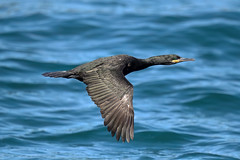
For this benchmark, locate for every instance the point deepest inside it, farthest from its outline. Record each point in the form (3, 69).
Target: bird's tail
(63, 74)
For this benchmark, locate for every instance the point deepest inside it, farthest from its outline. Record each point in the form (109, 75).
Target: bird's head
(167, 59)
(173, 59)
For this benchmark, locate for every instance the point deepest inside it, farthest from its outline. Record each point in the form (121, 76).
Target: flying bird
(111, 91)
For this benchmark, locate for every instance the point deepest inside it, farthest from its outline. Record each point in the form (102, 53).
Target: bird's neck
(139, 64)
(135, 65)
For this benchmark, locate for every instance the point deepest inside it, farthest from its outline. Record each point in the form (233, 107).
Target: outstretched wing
(113, 93)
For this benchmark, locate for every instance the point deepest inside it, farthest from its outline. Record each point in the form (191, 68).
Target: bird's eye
(176, 58)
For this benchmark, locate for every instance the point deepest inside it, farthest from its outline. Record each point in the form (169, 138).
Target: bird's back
(117, 62)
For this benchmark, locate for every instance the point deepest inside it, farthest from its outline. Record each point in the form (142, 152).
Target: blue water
(184, 111)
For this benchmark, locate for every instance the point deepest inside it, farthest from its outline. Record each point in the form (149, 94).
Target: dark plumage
(111, 91)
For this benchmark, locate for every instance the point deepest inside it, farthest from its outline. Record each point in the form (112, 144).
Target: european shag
(111, 91)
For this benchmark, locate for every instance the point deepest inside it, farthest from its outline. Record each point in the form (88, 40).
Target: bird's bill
(183, 60)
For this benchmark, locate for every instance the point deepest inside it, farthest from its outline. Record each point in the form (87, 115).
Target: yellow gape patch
(175, 61)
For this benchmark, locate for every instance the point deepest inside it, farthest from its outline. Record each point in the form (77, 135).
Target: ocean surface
(187, 111)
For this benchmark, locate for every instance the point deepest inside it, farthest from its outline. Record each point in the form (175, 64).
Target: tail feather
(63, 74)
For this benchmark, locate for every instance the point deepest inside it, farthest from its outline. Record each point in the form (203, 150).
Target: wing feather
(112, 93)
